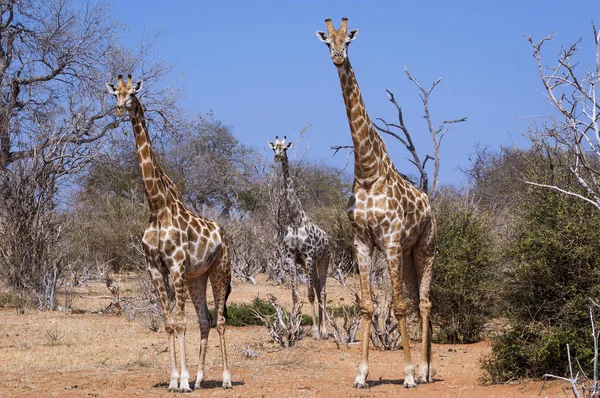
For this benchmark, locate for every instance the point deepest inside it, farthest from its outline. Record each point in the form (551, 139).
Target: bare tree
(574, 129)
(55, 56)
(437, 132)
(400, 132)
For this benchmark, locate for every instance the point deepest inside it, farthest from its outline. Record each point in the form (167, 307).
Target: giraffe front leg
(291, 266)
(364, 251)
(158, 282)
(394, 259)
(177, 271)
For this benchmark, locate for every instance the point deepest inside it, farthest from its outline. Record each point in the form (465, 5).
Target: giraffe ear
(352, 35)
(289, 145)
(271, 145)
(321, 35)
(111, 88)
(138, 86)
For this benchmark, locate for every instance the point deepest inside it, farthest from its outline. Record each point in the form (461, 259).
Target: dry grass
(107, 356)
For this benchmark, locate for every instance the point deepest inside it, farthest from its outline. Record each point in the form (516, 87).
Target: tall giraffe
(178, 244)
(304, 243)
(386, 212)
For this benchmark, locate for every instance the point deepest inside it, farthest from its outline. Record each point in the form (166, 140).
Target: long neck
(295, 212)
(159, 189)
(371, 160)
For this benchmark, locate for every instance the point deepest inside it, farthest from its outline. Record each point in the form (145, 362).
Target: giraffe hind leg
(319, 283)
(197, 289)
(312, 288)
(423, 267)
(220, 280)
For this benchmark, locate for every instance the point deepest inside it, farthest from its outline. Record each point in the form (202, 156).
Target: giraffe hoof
(185, 389)
(410, 385)
(359, 385)
(172, 389)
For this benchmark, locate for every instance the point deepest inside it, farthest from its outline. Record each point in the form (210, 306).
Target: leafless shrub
(248, 352)
(384, 333)
(150, 319)
(55, 335)
(113, 287)
(284, 327)
(346, 332)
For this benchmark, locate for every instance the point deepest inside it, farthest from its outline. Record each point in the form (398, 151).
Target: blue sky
(260, 68)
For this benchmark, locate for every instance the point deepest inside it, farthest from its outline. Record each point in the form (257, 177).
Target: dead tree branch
(437, 135)
(575, 130)
(284, 327)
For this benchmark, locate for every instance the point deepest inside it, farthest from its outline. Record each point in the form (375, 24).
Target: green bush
(344, 310)
(555, 263)
(244, 314)
(460, 289)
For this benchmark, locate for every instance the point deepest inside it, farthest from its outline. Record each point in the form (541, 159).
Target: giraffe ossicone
(179, 245)
(305, 244)
(388, 213)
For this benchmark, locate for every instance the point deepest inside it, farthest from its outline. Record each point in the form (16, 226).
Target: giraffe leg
(310, 268)
(177, 271)
(394, 258)
(411, 280)
(159, 285)
(424, 264)
(197, 289)
(220, 280)
(320, 280)
(364, 252)
(158, 281)
(291, 265)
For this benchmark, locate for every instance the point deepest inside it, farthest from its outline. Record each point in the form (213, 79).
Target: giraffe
(388, 213)
(304, 243)
(178, 244)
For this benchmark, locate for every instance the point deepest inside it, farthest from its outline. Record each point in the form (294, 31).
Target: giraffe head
(338, 40)
(280, 147)
(125, 91)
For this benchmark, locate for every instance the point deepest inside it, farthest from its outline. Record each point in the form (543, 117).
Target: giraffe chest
(373, 217)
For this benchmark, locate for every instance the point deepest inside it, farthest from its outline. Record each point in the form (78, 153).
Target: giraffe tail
(226, 297)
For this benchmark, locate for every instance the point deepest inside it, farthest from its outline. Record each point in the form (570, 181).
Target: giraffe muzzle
(338, 58)
(120, 110)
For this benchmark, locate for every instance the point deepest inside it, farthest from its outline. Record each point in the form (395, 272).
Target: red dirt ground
(109, 356)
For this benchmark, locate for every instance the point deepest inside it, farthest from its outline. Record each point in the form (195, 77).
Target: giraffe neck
(158, 187)
(371, 160)
(296, 214)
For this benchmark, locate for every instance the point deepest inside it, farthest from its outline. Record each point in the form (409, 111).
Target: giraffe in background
(304, 243)
(179, 245)
(388, 213)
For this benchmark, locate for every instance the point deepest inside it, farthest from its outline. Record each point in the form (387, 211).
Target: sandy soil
(74, 354)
